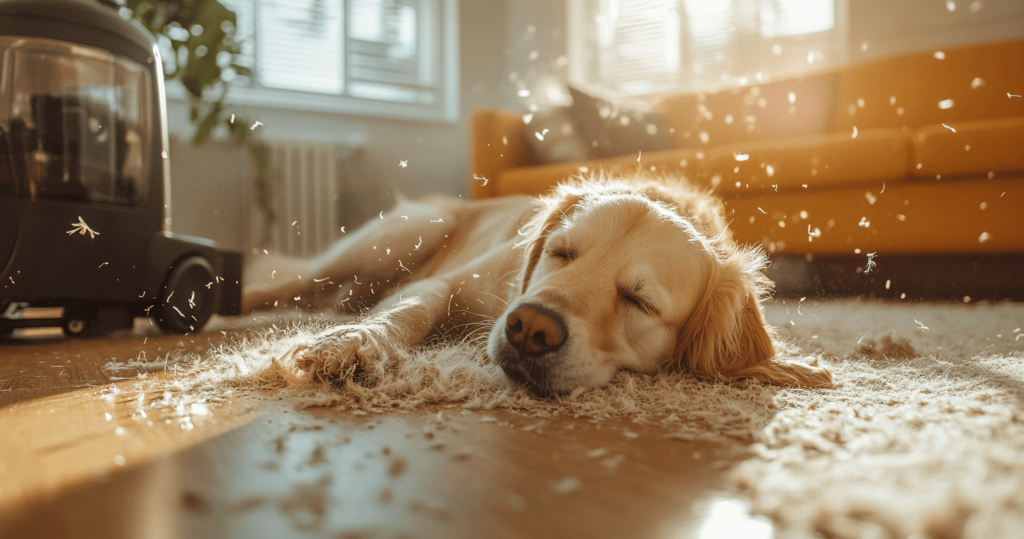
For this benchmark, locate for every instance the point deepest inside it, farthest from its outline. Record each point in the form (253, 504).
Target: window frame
(445, 110)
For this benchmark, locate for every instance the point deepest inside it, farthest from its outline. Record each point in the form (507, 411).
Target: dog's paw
(343, 352)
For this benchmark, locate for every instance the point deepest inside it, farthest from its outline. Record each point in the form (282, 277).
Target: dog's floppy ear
(551, 213)
(726, 337)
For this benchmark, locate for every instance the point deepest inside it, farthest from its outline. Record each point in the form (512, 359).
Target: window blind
(629, 31)
(374, 49)
(651, 46)
(299, 45)
(388, 56)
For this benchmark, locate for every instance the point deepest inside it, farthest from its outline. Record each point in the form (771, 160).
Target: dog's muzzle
(534, 334)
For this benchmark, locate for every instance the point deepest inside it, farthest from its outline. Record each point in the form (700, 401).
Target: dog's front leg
(371, 345)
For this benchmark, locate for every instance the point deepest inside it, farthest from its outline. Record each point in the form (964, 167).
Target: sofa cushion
(551, 135)
(908, 217)
(877, 155)
(616, 125)
(970, 83)
(975, 148)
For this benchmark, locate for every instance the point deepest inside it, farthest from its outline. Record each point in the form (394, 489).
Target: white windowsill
(335, 104)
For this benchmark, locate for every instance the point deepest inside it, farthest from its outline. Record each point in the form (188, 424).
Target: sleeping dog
(598, 276)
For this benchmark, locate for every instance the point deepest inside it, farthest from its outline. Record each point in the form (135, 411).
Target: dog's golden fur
(567, 289)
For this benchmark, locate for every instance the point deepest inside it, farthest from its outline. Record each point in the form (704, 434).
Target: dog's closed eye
(632, 296)
(564, 252)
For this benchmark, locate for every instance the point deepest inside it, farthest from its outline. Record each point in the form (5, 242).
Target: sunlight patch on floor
(728, 519)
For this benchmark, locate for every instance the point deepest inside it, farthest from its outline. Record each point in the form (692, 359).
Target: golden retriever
(600, 275)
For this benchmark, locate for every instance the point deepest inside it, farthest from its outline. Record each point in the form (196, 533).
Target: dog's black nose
(533, 330)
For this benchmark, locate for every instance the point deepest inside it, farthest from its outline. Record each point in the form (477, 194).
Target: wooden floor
(78, 460)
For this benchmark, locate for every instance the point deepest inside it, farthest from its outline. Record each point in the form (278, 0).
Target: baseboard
(914, 277)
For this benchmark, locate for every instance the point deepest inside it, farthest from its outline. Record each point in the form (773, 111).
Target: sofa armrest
(496, 144)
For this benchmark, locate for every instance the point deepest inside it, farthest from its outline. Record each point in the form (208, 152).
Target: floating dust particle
(613, 463)
(515, 501)
(317, 456)
(397, 466)
(385, 496)
(887, 348)
(533, 427)
(870, 263)
(306, 506)
(435, 511)
(248, 504)
(195, 501)
(82, 229)
(305, 428)
(568, 485)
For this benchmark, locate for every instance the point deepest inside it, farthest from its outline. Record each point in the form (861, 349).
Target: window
(652, 46)
(380, 57)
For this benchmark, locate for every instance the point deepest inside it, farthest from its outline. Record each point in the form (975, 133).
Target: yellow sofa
(916, 154)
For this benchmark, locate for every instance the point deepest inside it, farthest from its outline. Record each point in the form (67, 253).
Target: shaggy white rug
(923, 435)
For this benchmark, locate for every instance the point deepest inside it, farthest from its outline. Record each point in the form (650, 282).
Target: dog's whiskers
(497, 297)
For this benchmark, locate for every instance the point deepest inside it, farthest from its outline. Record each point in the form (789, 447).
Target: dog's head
(631, 276)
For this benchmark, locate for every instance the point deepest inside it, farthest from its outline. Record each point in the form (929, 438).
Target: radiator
(306, 199)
